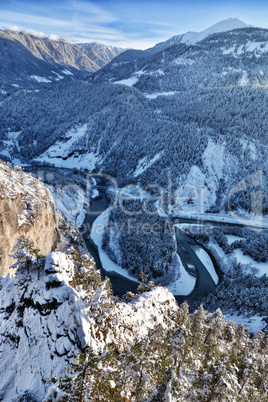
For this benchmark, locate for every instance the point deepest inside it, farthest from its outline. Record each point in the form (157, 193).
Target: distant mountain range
(26, 59)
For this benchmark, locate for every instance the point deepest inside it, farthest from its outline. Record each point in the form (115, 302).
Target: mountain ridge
(28, 59)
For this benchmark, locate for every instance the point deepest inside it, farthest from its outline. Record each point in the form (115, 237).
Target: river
(204, 282)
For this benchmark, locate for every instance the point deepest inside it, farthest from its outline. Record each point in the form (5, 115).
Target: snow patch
(206, 261)
(145, 163)
(231, 238)
(244, 80)
(183, 61)
(132, 80)
(67, 72)
(257, 268)
(128, 82)
(183, 283)
(258, 48)
(198, 192)
(156, 94)
(40, 79)
(251, 146)
(254, 322)
(68, 153)
(59, 77)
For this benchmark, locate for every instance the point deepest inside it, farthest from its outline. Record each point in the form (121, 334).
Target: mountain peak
(229, 23)
(222, 26)
(194, 37)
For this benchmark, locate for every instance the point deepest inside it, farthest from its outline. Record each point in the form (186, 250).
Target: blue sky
(134, 23)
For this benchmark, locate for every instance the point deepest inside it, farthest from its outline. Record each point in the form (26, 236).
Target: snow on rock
(11, 143)
(44, 322)
(64, 148)
(194, 195)
(144, 312)
(38, 327)
(213, 159)
(71, 203)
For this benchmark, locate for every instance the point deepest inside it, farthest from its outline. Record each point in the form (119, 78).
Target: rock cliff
(26, 209)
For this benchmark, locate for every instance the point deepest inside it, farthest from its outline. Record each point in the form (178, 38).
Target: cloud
(54, 37)
(35, 33)
(26, 19)
(158, 23)
(75, 18)
(32, 32)
(82, 20)
(12, 28)
(94, 12)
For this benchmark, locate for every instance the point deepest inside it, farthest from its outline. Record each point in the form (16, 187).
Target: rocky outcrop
(26, 209)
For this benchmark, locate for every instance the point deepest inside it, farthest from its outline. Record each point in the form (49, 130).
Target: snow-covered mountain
(190, 119)
(27, 59)
(184, 94)
(194, 37)
(226, 52)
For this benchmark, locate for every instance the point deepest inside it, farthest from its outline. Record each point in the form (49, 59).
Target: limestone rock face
(26, 209)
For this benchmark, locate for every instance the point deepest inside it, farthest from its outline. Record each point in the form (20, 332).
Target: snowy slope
(202, 183)
(70, 152)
